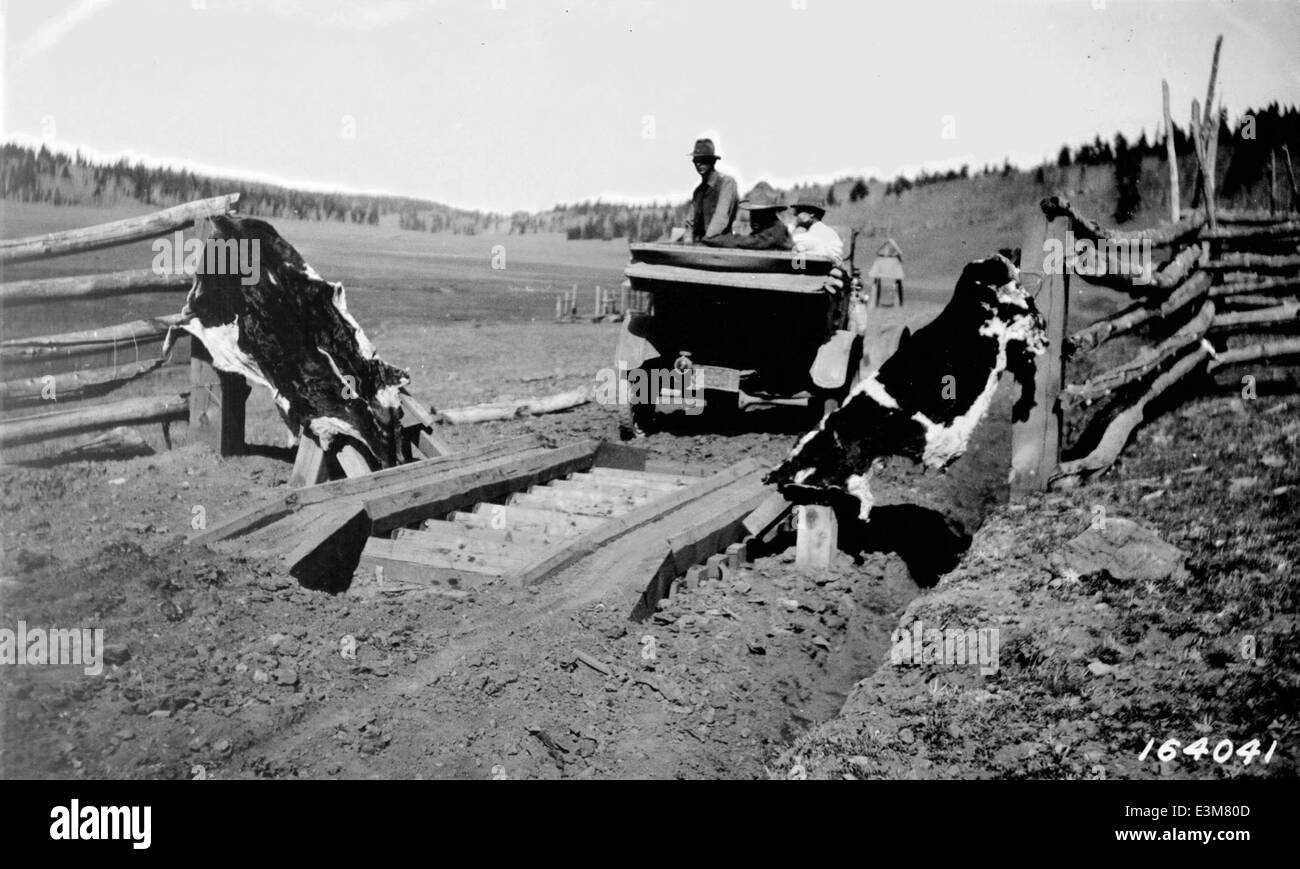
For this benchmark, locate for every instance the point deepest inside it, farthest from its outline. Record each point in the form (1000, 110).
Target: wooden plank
(621, 456)
(131, 411)
(408, 549)
(642, 516)
(285, 502)
(406, 504)
(540, 536)
(639, 476)
(353, 463)
(816, 536)
(326, 555)
(508, 554)
(1035, 442)
(707, 532)
(430, 445)
(592, 487)
(575, 502)
(773, 509)
(795, 282)
(654, 484)
(452, 529)
(531, 518)
(125, 283)
(413, 412)
(308, 464)
(392, 561)
(117, 232)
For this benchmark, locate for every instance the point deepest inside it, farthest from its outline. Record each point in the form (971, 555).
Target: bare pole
(1172, 156)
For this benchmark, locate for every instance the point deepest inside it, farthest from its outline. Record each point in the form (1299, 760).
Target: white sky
(542, 102)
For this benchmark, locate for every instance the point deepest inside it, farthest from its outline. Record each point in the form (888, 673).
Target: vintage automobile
(734, 330)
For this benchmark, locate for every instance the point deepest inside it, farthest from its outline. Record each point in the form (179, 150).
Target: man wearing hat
(766, 231)
(714, 200)
(811, 236)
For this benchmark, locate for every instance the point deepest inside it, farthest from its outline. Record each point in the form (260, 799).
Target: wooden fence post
(217, 403)
(1036, 442)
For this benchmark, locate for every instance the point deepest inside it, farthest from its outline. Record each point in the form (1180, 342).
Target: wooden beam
(93, 348)
(474, 522)
(546, 498)
(396, 561)
(110, 234)
(630, 521)
(816, 536)
(1036, 442)
(327, 552)
(285, 502)
(308, 464)
(406, 504)
(639, 476)
(351, 461)
(46, 290)
(530, 518)
(768, 515)
(509, 555)
(131, 411)
(217, 404)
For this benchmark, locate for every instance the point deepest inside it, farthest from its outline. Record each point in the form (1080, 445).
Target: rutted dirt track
(225, 668)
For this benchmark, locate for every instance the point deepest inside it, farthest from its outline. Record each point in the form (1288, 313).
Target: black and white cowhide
(291, 332)
(925, 400)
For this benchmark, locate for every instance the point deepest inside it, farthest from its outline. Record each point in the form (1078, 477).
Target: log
(123, 336)
(1255, 262)
(1249, 301)
(86, 380)
(1285, 313)
(1121, 427)
(1263, 285)
(1130, 318)
(131, 411)
(609, 531)
(1280, 229)
(110, 234)
(102, 286)
(1146, 361)
(512, 409)
(1263, 350)
(1059, 206)
(1204, 173)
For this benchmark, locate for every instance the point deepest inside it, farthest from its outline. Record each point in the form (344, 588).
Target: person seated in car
(766, 231)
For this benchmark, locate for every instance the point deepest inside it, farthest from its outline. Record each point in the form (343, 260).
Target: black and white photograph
(604, 390)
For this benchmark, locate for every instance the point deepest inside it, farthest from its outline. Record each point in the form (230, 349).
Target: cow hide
(291, 332)
(924, 402)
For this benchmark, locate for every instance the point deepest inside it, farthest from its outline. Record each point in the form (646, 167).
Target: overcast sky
(520, 104)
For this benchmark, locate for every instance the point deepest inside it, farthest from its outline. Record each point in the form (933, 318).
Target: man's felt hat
(704, 150)
(763, 198)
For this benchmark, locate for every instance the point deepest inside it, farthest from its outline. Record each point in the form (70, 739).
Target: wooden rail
(111, 234)
(69, 422)
(92, 286)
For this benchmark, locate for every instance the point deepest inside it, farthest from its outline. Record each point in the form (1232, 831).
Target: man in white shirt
(811, 236)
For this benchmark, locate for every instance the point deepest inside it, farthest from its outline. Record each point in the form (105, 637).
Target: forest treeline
(1250, 155)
